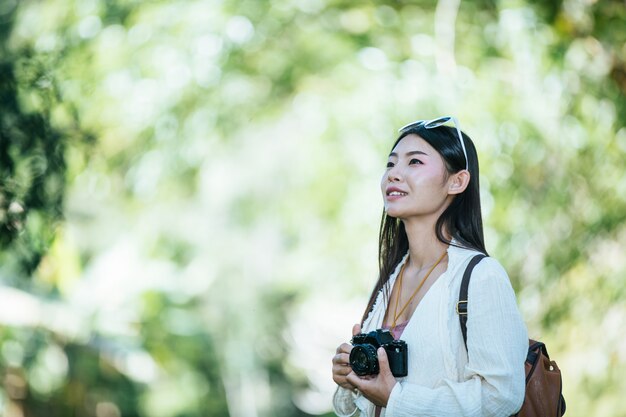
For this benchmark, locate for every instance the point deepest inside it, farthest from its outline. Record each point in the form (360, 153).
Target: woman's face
(415, 183)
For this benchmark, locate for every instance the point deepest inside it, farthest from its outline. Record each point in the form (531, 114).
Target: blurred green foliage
(32, 164)
(188, 189)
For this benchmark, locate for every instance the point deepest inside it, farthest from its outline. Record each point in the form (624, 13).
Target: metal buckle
(457, 308)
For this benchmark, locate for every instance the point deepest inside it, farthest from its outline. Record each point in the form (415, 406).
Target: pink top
(397, 334)
(397, 331)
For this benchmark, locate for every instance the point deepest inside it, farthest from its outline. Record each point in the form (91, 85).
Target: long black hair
(462, 219)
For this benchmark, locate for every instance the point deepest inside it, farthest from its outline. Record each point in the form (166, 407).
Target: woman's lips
(395, 194)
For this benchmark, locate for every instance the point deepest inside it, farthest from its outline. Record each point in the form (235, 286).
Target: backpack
(544, 385)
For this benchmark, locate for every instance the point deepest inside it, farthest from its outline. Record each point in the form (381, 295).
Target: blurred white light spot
(13, 353)
(18, 308)
(141, 367)
(310, 6)
(145, 98)
(238, 88)
(198, 277)
(55, 361)
(117, 83)
(86, 7)
(422, 45)
(239, 29)
(313, 402)
(177, 76)
(89, 27)
(503, 168)
(355, 21)
(139, 34)
(209, 45)
(309, 109)
(206, 75)
(166, 127)
(47, 42)
(112, 38)
(386, 16)
(49, 370)
(373, 59)
(146, 174)
(15, 208)
(513, 20)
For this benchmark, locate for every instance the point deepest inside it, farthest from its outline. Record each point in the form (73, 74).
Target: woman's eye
(389, 164)
(415, 161)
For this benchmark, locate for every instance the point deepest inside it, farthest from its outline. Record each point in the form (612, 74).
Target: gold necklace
(396, 315)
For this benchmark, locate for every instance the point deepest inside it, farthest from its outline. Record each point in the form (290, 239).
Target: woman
(430, 230)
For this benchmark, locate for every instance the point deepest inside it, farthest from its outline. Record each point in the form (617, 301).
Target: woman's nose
(393, 174)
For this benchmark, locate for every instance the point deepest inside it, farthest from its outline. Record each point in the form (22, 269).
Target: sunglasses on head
(440, 121)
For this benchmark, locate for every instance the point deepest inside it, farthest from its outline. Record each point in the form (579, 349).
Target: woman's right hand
(341, 362)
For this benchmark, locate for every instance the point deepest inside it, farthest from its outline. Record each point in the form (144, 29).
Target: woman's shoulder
(489, 268)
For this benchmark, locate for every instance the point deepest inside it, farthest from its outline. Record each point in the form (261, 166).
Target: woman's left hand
(376, 388)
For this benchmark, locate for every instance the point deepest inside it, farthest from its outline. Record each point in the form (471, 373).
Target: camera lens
(364, 360)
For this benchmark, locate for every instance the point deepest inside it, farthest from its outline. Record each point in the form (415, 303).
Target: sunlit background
(189, 200)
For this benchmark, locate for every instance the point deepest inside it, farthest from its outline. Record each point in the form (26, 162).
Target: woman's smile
(394, 193)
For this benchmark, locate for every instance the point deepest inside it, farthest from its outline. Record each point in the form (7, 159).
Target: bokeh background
(189, 200)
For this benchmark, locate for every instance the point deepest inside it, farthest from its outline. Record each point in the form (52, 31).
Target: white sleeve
(497, 344)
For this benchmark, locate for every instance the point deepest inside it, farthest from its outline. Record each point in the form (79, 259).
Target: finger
(347, 386)
(354, 380)
(383, 361)
(340, 374)
(356, 329)
(344, 348)
(341, 359)
(341, 370)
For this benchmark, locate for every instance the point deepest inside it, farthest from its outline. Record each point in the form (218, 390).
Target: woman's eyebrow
(409, 153)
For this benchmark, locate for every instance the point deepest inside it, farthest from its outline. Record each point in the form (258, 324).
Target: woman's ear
(457, 183)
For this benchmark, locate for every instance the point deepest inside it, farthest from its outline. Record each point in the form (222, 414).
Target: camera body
(364, 359)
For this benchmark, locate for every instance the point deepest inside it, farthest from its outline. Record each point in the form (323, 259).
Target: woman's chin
(394, 213)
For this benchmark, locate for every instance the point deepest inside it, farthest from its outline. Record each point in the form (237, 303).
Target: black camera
(363, 357)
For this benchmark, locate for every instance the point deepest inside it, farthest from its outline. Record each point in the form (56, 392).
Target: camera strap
(397, 315)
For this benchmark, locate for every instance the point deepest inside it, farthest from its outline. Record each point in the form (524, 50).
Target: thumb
(356, 329)
(383, 361)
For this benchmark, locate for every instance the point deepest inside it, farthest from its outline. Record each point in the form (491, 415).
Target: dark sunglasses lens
(411, 125)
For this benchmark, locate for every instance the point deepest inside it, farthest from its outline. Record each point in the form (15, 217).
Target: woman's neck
(424, 247)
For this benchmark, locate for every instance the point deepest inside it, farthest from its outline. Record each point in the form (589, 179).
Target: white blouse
(441, 380)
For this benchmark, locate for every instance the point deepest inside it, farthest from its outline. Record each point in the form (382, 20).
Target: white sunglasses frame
(440, 121)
